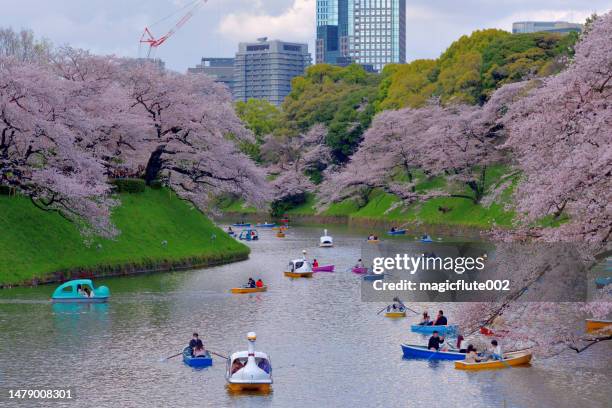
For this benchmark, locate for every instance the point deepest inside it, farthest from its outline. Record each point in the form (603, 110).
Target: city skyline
(114, 27)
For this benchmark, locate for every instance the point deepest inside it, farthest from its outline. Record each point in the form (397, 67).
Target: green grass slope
(35, 243)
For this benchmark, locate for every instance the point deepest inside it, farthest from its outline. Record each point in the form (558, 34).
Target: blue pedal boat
(69, 292)
(373, 277)
(198, 362)
(248, 234)
(426, 239)
(397, 232)
(413, 351)
(451, 328)
(266, 225)
(238, 224)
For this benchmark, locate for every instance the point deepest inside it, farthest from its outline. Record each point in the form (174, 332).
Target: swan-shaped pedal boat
(326, 241)
(80, 291)
(299, 268)
(249, 370)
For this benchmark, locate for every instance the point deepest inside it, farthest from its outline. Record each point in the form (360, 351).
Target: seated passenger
(259, 283)
(236, 365)
(440, 319)
(472, 355)
(80, 290)
(315, 263)
(199, 351)
(251, 283)
(393, 229)
(359, 264)
(87, 292)
(195, 342)
(264, 365)
(425, 320)
(496, 352)
(434, 342)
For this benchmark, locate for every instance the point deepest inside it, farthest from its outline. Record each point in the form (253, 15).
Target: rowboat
(359, 270)
(249, 290)
(601, 282)
(413, 351)
(238, 224)
(198, 362)
(266, 225)
(426, 239)
(395, 315)
(416, 328)
(298, 274)
(323, 268)
(373, 241)
(280, 234)
(249, 370)
(594, 325)
(373, 277)
(74, 291)
(513, 359)
(397, 232)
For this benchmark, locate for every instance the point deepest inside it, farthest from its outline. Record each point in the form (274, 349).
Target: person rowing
(251, 283)
(435, 341)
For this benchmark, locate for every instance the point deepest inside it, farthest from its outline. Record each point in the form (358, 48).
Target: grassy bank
(38, 245)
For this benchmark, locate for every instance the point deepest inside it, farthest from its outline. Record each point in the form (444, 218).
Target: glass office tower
(377, 32)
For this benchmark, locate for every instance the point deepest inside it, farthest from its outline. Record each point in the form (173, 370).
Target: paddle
(168, 358)
(429, 358)
(383, 309)
(218, 355)
(396, 299)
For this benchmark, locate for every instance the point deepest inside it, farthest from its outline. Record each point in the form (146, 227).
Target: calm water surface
(328, 348)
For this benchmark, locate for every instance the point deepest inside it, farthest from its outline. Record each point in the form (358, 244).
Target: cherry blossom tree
(39, 153)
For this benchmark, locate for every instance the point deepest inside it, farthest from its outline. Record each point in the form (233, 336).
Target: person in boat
(80, 290)
(425, 321)
(359, 264)
(264, 365)
(315, 263)
(371, 237)
(230, 230)
(251, 283)
(259, 283)
(236, 365)
(435, 341)
(199, 350)
(496, 351)
(393, 229)
(87, 292)
(471, 355)
(440, 319)
(195, 341)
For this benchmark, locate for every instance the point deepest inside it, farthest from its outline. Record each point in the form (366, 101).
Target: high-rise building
(377, 31)
(220, 69)
(368, 32)
(264, 69)
(562, 27)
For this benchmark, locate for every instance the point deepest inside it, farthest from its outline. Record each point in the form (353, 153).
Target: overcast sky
(115, 26)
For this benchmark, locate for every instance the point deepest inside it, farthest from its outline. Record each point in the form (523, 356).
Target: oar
(396, 299)
(383, 309)
(218, 355)
(437, 351)
(175, 355)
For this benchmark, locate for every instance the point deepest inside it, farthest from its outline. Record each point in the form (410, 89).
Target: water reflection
(327, 346)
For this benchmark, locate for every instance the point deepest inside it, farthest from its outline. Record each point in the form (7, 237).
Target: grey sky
(115, 26)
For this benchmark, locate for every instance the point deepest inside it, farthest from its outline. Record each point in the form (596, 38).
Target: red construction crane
(148, 38)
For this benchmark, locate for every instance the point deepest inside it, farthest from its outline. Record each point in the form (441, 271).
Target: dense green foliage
(474, 66)
(36, 243)
(340, 98)
(129, 185)
(260, 116)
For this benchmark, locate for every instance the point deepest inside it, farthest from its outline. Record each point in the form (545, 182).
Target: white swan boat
(299, 268)
(249, 370)
(326, 241)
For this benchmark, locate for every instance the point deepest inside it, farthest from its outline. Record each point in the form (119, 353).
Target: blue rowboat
(266, 225)
(413, 351)
(426, 239)
(75, 291)
(601, 282)
(198, 362)
(241, 225)
(397, 232)
(373, 277)
(451, 328)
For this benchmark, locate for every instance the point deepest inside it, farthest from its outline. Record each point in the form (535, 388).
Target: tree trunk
(154, 165)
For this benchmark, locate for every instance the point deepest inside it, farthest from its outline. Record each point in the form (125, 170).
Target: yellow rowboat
(513, 359)
(395, 314)
(298, 274)
(595, 325)
(256, 388)
(249, 290)
(280, 235)
(373, 241)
